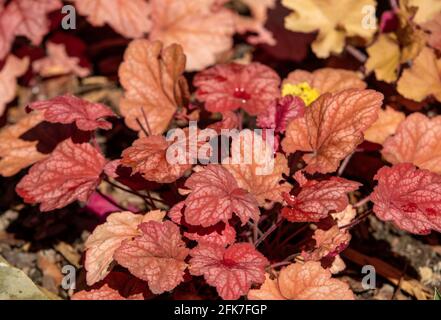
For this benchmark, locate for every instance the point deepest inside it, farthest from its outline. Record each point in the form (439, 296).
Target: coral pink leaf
(409, 197)
(231, 86)
(328, 243)
(317, 199)
(332, 128)
(107, 237)
(214, 197)
(72, 172)
(8, 23)
(232, 271)
(58, 62)
(34, 23)
(66, 109)
(129, 18)
(417, 141)
(157, 256)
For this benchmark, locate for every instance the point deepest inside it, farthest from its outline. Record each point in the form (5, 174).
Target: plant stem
(116, 204)
(362, 202)
(344, 164)
(292, 235)
(357, 220)
(357, 54)
(268, 232)
(147, 199)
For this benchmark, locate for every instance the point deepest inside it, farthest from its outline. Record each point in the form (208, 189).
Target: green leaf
(437, 295)
(16, 285)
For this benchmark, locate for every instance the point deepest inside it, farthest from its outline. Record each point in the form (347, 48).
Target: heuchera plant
(221, 224)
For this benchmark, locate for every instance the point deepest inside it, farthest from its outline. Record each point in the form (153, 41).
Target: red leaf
(231, 86)
(281, 112)
(157, 256)
(72, 172)
(318, 198)
(232, 271)
(221, 234)
(215, 195)
(148, 156)
(69, 109)
(409, 197)
(223, 238)
(332, 128)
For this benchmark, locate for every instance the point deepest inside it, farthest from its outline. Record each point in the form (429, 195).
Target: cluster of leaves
(210, 226)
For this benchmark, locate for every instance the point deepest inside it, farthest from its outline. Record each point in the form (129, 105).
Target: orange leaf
(332, 128)
(15, 153)
(203, 29)
(154, 84)
(386, 125)
(307, 281)
(327, 80)
(434, 27)
(417, 141)
(129, 18)
(423, 78)
(13, 68)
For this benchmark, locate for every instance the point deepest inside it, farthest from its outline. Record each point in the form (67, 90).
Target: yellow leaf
(384, 58)
(302, 90)
(423, 78)
(333, 19)
(427, 9)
